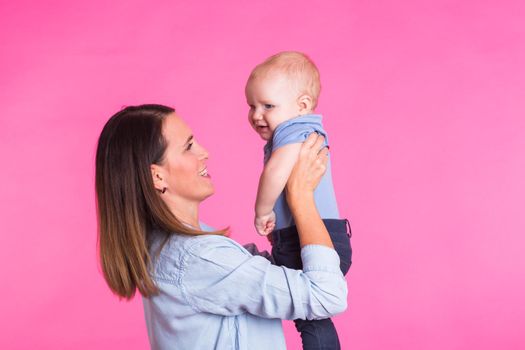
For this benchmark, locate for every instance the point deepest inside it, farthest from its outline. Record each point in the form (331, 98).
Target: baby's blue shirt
(296, 130)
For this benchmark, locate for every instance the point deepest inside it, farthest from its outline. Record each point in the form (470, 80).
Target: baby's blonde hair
(297, 67)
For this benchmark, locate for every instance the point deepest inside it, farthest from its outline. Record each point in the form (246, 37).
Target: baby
(282, 93)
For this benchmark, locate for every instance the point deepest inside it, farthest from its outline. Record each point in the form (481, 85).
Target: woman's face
(184, 168)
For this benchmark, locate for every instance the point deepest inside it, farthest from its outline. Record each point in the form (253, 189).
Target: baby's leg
(318, 334)
(286, 251)
(340, 233)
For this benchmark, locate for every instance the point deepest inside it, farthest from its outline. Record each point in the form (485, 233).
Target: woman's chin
(209, 193)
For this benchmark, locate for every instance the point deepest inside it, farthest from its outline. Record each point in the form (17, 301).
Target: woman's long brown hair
(128, 206)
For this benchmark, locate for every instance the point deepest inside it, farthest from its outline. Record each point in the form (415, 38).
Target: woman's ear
(305, 104)
(158, 178)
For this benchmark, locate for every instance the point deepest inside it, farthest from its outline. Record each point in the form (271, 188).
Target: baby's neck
(297, 116)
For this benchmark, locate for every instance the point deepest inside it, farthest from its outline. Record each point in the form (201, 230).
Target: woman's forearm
(300, 188)
(310, 227)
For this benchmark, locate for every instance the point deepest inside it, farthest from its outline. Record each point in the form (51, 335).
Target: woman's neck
(186, 211)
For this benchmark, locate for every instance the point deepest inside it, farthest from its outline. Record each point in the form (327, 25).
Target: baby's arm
(271, 184)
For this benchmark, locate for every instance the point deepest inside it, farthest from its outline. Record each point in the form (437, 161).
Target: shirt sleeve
(295, 133)
(223, 278)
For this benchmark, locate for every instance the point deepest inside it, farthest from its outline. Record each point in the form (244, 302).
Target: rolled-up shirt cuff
(319, 258)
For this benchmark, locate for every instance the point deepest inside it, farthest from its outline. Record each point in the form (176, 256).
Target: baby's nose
(257, 115)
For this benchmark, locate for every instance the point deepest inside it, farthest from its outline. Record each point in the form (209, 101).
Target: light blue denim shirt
(217, 294)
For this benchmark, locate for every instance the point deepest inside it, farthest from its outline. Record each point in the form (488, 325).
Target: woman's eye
(268, 106)
(188, 147)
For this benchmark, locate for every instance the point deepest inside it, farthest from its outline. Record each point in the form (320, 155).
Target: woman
(202, 290)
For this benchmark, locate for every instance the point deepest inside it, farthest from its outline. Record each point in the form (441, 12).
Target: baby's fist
(265, 224)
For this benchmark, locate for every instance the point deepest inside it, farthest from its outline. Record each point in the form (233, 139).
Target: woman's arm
(302, 182)
(222, 278)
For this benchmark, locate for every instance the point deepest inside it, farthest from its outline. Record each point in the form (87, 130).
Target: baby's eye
(268, 106)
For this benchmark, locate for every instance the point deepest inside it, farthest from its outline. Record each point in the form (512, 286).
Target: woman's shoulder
(174, 242)
(180, 251)
(200, 244)
(203, 245)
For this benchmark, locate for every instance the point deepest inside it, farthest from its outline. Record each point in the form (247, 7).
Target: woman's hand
(308, 170)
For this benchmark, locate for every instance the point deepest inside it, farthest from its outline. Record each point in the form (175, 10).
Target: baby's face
(272, 100)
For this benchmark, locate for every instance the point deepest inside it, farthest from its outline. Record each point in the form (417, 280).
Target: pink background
(424, 102)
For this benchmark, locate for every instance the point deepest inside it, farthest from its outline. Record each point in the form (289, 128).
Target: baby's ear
(305, 103)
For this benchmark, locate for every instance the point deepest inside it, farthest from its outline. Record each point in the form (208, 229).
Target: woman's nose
(203, 153)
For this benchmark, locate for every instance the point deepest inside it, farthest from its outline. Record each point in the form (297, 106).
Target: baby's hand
(265, 224)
